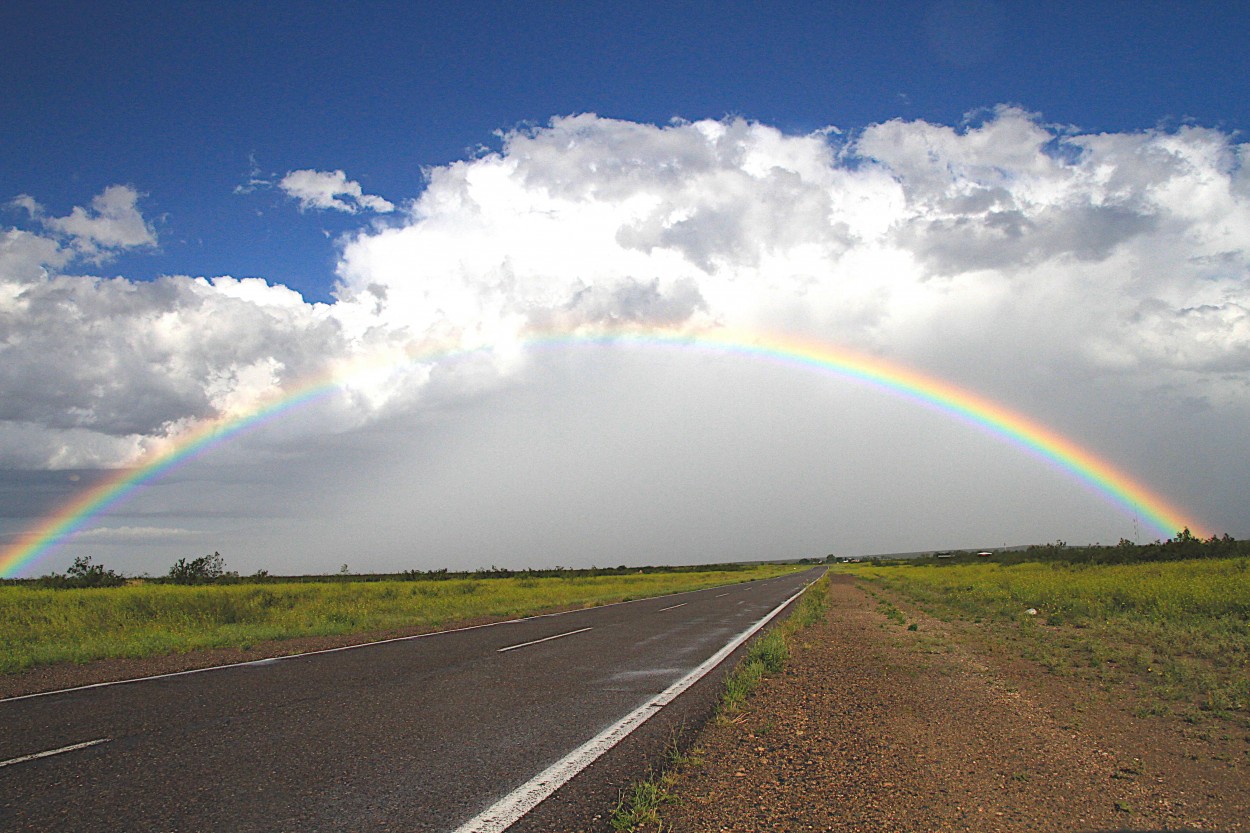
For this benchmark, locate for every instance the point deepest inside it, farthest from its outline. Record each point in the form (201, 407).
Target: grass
(1181, 627)
(768, 654)
(40, 626)
(639, 806)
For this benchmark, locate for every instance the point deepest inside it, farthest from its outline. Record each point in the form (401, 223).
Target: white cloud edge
(133, 533)
(330, 190)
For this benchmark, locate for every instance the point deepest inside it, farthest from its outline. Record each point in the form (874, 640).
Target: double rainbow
(1035, 439)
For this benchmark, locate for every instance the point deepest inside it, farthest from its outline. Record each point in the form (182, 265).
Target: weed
(674, 756)
(639, 806)
(891, 612)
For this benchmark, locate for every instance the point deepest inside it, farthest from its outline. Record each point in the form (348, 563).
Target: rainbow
(1031, 437)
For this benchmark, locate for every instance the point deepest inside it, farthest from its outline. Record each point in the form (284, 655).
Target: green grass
(41, 626)
(1182, 627)
(768, 654)
(639, 806)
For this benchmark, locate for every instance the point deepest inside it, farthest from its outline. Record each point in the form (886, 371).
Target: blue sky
(181, 99)
(1042, 202)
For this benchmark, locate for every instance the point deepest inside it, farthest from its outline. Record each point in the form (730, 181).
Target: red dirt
(873, 727)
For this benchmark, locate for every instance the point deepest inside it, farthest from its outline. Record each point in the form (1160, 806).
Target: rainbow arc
(1031, 437)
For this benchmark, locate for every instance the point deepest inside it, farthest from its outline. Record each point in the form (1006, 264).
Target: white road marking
(503, 813)
(544, 639)
(721, 596)
(674, 607)
(334, 650)
(23, 759)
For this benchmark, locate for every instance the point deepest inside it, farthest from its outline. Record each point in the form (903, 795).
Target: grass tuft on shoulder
(638, 807)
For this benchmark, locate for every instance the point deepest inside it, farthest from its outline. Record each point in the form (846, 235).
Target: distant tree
(202, 570)
(82, 573)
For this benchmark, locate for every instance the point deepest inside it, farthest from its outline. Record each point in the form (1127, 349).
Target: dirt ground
(875, 727)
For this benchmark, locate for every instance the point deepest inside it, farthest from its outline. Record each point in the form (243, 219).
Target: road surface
(418, 734)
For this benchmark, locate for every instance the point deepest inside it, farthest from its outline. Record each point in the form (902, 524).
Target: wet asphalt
(419, 734)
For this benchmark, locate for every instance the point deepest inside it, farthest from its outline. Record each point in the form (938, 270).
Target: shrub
(202, 570)
(82, 573)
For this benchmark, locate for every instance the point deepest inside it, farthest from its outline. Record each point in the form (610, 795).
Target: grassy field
(40, 626)
(1180, 629)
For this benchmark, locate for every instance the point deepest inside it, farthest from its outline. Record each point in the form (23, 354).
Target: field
(41, 626)
(1178, 631)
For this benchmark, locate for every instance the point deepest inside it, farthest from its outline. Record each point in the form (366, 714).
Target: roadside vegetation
(639, 806)
(70, 620)
(768, 654)
(1169, 619)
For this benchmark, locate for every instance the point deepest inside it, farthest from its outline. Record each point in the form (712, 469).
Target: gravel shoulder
(875, 727)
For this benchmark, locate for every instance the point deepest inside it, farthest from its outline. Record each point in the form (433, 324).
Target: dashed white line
(503, 813)
(307, 654)
(24, 758)
(674, 607)
(544, 639)
(721, 596)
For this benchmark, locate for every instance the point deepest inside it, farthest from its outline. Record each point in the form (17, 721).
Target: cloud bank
(1052, 269)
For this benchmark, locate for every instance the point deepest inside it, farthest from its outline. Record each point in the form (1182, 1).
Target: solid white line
(544, 639)
(503, 813)
(51, 752)
(674, 607)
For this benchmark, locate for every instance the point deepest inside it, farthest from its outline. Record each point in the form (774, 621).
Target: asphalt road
(421, 734)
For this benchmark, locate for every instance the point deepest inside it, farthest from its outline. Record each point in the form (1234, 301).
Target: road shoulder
(873, 726)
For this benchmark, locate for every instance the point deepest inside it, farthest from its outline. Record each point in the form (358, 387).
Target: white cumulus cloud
(112, 224)
(1071, 275)
(331, 190)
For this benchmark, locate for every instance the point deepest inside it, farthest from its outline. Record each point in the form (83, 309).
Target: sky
(207, 208)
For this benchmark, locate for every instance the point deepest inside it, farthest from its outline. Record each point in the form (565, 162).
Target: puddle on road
(620, 681)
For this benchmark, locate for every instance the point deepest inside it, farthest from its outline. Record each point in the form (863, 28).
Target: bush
(82, 573)
(203, 570)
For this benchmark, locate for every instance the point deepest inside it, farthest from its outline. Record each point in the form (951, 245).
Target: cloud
(134, 533)
(326, 190)
(111, 225)
(928, 242)
(1100, 282)
(95, 372)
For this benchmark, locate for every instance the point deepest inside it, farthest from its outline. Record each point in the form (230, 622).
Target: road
(420, 734)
